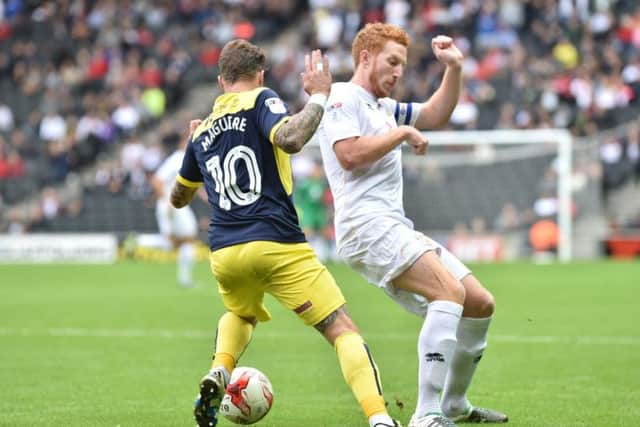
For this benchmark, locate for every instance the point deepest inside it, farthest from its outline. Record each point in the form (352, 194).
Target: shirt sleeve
(190, 175)
(341, 118)
(271, 112)
(405, 113)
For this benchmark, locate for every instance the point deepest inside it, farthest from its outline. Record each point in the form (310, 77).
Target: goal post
(562, 138)
(467, 173)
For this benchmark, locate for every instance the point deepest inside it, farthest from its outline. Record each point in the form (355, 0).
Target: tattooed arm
(316, 79)
(294, 134)
(182, 195)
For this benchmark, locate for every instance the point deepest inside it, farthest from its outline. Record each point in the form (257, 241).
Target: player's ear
(365, 58)
(221, 83)
(261, 78)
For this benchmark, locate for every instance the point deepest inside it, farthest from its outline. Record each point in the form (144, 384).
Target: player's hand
(416, 139)
(193, 125)
(446, 51)
(316, 77)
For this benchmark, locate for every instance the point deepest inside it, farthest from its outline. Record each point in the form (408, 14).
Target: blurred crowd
(82, 80)
(529, 63)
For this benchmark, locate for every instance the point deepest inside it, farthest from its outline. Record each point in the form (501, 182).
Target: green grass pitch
(122, 345)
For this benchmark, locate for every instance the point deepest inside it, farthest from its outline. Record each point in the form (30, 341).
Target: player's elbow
(181, 195)
(292, 147)
(440, 123)
(348, 162)
(289, 145)
(349, 155)
(177, 203)
(432, 117)
(432, 122)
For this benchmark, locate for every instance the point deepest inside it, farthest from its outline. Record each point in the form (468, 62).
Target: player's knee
(250, 319)
(486, 304)
(479, 305)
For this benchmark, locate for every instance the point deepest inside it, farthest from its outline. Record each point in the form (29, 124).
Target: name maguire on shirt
(223, 124)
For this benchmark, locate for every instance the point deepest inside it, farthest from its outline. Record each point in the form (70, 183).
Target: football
(248, 396)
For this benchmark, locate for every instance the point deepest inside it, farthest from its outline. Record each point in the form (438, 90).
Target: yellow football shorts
(290, 272)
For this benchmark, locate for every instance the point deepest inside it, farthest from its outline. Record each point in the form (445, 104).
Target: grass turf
(122, 345)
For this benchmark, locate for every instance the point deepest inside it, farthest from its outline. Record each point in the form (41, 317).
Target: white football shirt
(168, 172)
(375, 190)
(171, 221)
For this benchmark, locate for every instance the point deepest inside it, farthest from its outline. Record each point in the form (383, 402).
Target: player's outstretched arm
(316, 78)
(361, 151)
(436, 111)
(294, 134)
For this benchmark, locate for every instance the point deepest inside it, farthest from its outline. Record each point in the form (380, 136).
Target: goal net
(491, 195)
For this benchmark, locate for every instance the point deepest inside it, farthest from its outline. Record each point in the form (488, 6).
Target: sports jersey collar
(232, 102)
(365, 93)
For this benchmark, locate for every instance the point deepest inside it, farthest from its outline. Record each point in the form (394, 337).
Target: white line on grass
(203, 334)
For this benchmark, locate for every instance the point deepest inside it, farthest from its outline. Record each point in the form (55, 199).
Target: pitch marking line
(202, 334)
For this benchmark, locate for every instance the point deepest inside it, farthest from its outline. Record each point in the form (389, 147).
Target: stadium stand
(81, 80)
(481, 189)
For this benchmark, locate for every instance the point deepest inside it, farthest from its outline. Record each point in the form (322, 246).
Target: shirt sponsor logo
(434, 357)
(275, 105)
(304, 307)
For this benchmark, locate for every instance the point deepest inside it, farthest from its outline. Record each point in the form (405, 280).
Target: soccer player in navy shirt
(240, 152)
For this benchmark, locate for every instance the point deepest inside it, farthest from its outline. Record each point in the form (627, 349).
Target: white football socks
(186, 257)
(436, 345)
(472, 340)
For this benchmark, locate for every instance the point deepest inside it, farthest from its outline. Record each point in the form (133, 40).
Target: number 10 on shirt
(224, 174)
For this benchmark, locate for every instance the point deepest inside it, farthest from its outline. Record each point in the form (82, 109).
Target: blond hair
(373, 37)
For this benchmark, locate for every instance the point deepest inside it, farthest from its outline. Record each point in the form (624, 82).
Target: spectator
(633, 150)
(126, 116)
(614, 173)
(52, 127)
(12, 166)
(310, 204)
(543, 237)
(6, 118)
(509, 218)
(50, 205)
(117, 67)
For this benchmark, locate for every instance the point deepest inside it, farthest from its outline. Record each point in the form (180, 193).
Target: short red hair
(373, 37)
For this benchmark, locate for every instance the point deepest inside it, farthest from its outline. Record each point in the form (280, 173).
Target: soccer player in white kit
(178, 226)
(360, 138)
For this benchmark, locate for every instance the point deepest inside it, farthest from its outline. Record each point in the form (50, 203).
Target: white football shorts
(180, 223)
(385, 248)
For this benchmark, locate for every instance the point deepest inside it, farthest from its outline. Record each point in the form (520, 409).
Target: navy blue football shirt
(246, 176)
